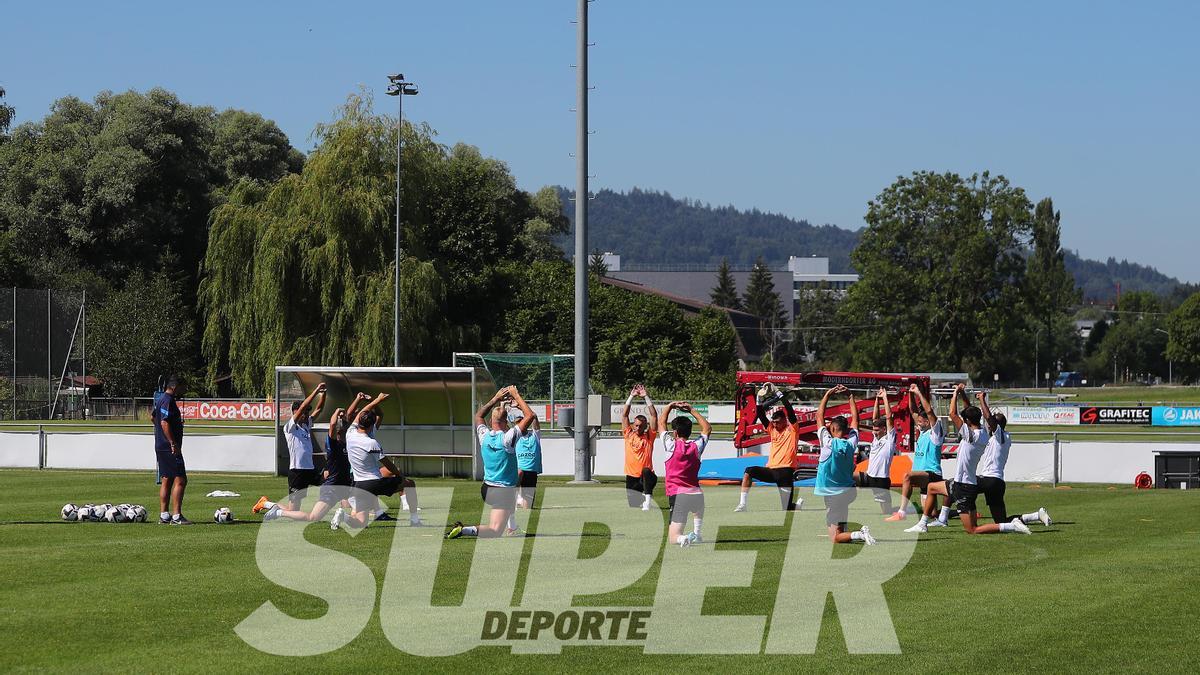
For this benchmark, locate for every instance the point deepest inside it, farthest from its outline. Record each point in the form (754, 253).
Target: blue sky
(806, 109)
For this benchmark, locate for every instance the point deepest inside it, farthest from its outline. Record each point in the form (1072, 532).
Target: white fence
(1078, 461)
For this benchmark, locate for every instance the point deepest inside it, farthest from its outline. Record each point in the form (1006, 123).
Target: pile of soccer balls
(121, 513)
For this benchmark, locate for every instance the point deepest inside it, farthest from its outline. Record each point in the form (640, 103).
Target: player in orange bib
(784, 430)
(640, 478)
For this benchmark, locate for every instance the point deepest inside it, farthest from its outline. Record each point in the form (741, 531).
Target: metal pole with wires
(399, 88)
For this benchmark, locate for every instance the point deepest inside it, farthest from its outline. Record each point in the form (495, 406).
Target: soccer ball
(99, 511)
(85, 512)
(223, 515)
(70, 513)
(114, 515)
(139, 513)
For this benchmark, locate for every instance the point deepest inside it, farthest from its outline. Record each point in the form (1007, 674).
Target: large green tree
(941, 263)
(302, 270)
(139, 333)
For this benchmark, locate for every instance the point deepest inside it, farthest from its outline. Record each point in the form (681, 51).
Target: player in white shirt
(991, 470)
(373, 472)
(878, 475)
(297, 431)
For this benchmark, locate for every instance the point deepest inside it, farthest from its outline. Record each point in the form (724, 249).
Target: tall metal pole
(49, 366)
(83, 345)
(396, 300)
(583, 465)
(14, 355)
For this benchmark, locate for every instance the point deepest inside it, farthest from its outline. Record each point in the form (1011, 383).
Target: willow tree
(301, 271)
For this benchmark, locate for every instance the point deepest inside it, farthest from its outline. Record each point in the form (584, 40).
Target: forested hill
(648, 227)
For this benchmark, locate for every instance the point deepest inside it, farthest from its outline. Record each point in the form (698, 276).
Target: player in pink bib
(683, 470)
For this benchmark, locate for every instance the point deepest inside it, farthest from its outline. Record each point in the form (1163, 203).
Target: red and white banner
(252, 411)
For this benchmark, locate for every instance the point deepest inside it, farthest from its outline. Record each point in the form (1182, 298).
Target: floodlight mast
(399, 88)
(583, 464)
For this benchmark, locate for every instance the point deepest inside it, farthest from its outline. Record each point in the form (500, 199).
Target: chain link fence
(43, 362)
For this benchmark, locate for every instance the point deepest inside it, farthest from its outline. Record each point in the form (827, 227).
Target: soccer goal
(428, 419)
(541, 378)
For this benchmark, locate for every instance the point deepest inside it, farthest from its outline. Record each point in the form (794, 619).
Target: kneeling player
(640, 478)
(498, 446)
(683, 471)
(927, 455)
(878, 475)
(835, 472)
(784, 431)
(374, 473)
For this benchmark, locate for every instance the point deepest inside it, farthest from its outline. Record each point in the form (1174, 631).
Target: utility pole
(583, 461)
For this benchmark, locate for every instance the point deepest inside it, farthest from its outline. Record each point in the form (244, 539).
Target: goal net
(545, 378)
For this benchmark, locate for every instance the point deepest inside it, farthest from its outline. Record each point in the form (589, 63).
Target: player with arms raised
(639, 435)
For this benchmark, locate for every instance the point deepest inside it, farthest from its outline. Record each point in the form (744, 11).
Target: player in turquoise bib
(835, 470)
(529, 459)
(927, 454)
(498, 447)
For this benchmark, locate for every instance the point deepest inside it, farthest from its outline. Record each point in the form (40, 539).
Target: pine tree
(762, 301)
(1050, 288)
(596, 264)
(724, 294)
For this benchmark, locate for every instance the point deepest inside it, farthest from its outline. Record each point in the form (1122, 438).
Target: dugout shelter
(428, 419)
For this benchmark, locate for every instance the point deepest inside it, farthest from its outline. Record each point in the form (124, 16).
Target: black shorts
(637, 486)
(170, 464)
(933, 478)
(783, 476)
(302, 479)
(837, 507)
(866, 481)
(683, 504)
(334, 492)
(527, 479)
(964, 495)
(503, 498)
(993, 492)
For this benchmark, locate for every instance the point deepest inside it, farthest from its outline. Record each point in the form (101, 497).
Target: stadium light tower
(583, 461)
(398, 87)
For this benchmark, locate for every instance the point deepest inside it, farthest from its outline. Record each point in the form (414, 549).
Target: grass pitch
(1111, 586)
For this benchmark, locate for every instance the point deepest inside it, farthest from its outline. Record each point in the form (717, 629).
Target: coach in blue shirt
(168, 448)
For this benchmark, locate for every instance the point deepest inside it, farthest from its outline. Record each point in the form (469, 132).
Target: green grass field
(1110, 586)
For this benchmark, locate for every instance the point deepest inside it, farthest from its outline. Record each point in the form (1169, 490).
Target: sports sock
(857, 536)
(268, 505)
(1007, 527)
(785, 498)
(681, 538)
(742, 498)
(404, 502)
(944, 516)
(512, 521)
(471, 531)
(924, 519)
(1030, 518)
(165, 515)
(646, 499)
(696, 523)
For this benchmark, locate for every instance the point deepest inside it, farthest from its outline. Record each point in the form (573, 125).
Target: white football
(70, 513)
(223, 515)
(114, 515)
(96, 512)
(139, 512)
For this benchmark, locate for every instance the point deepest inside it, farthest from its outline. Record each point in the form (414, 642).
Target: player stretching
(298, 432)
(927, 455)
(335, 486)
(529, 464)
(498, 446)
(684, 495)
(835, 471)
(373, 472)
(784, 431)
(640, 478)
(991, 470)
(878, 476)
